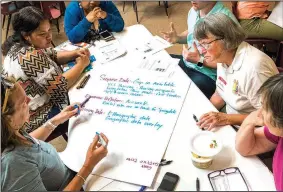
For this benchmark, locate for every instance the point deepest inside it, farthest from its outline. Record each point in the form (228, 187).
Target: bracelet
(81, 177)
(50, 124)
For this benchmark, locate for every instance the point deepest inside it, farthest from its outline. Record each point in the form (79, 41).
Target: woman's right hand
(95, 153)
(92, 16)
(83, 60)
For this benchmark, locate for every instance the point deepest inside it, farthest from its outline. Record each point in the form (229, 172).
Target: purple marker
(86, 100)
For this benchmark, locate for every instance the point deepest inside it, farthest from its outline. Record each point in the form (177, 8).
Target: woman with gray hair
(241, 70)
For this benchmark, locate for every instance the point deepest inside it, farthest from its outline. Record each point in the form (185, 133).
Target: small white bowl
(205, 144)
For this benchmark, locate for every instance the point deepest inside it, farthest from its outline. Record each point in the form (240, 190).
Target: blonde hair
(8, 136)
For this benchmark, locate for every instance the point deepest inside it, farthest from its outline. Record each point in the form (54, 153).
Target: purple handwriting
(144, 163)
(103, 77)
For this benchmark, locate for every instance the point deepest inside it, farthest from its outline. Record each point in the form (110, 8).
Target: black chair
(7, 9)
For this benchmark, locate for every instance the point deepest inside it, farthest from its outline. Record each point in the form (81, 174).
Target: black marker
(86, 80)
(82, 82)
(196, 119)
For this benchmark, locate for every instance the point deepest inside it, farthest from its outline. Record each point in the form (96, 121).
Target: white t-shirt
(238, 83)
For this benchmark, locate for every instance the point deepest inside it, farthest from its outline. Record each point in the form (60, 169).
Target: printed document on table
(154, 45)
(109, 51)
(159, 64)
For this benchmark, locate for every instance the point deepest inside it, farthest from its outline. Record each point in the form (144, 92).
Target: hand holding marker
(82, 104)
(101, 140)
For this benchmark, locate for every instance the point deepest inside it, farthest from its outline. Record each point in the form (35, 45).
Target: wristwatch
(200, 61)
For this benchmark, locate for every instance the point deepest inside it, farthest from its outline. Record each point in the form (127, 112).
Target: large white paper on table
(137, 113)
(276, 15)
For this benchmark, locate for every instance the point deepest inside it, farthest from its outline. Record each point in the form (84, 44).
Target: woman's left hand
(67, 113)
(212, 119)
(191, 56)
(101, 14)
(83, 51)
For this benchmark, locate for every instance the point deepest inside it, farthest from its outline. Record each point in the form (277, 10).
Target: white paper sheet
(159, 64)
(276, 15)
(109, 51)
(137, 113)
(154, 45)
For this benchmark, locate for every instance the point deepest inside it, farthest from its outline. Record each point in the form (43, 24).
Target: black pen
(197, 185)
(196, 119)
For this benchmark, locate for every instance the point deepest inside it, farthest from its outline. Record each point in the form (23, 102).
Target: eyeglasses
(221, 179)
(207, 45)
(8, 85)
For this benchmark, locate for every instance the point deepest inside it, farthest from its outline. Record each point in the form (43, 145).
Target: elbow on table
(120, 27)
(242, 150)
(73, 39)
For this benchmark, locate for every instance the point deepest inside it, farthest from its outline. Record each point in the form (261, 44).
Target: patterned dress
(38, 73)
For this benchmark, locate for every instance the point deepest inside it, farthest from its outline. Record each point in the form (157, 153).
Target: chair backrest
(8, 8)
(51, 9)
(280, 69)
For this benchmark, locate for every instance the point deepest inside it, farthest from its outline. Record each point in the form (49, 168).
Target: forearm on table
(43, 132)
(245, 139)
(73, 74)
(182, 37)
(236, 119)
(64, 57)
(77, 182)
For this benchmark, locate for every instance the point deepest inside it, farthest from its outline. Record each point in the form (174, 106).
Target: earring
(32, 47)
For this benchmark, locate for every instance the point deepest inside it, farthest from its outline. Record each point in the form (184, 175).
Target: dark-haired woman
(251, 141)
(27, 162)
(29, 58)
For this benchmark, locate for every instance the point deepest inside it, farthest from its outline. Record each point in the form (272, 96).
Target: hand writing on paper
(191, 56)
(170, 36)
(83, 60)
(95, 153)
(210, 120)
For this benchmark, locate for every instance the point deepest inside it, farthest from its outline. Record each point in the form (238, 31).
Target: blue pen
(101, 140)
(142, 188)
